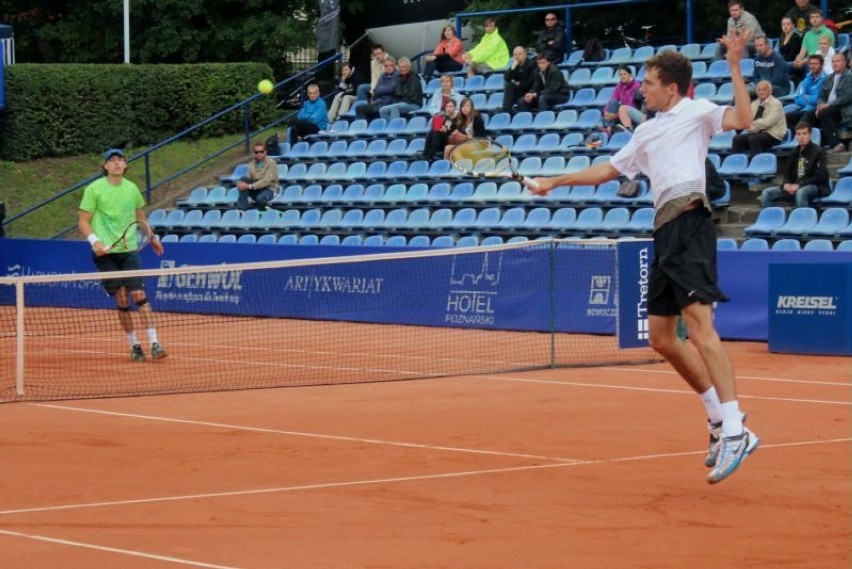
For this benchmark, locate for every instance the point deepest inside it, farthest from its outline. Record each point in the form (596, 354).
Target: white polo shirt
(670, 149)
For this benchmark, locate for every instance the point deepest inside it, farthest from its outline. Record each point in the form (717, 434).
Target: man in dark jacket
(549, 89)
(551, 40)
(834, 104)
(518, 79)
(383, 92)
(408, 94)
(806, 176)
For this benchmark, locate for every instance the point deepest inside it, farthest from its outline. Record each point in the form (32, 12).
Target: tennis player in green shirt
(110, 204)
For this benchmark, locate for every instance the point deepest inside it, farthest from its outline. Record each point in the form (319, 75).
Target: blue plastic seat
(536, 219)
(309, 239)
(311, 194)
(288, 239)
(521, 121)
(831, 222)
(206, 238)
(420, 241)
(157, 217)
(188, 238)
(603, 96)
(290, 218)
(755, 244)
(352, 194)
(565, 120)
(395, 126)
(267, 239)
(588, 220)
(580, 195)
(228, 238)
(337, 149)
(500, 122)
(352, 218)
(461, 192)
(174, 218)
(589, 120)
(523, 144)
(548, 143)
(800, 220)
(705, 91)
(492, 240)
(787, 245)
(464, 218)
(580, 78)
(721, 142)
(691, 50)
(396, 241)
(512, 219)
(310, 218)
(419, 218)
(357, 149)
(374, 241)
(331, 194)
(416, 193)
(376, 148)
(562, 218)
(734, 165)
(726, 244)
(841, 195)
(572, 140)
(543, 120)
(603, 76)
(487, 218)
(763, 166)
(396, 170)
(396, 218)
(818, 245)
(397, 148)
(510, 191)
(577, 163)
(495, 100)
(395, 193)
(724, 94)
(845, 246)
(641, 223)
(467, 241)
(248, 238)
(210, 220)
(485, 192)
(768, 220)
(718, 71)
(197, 197)
(331, 218)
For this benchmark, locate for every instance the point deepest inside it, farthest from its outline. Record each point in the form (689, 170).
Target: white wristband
(92, 238)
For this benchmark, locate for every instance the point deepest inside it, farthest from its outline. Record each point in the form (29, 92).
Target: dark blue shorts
(120, 262)
(684, 268)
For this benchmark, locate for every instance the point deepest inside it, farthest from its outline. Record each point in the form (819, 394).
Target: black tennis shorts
(684, 267)
(120, 262)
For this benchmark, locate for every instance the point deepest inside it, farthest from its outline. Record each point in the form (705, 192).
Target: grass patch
(25, 184)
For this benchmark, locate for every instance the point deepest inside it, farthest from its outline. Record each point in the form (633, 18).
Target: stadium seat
(588, 219)
(169, 238)
(721, 143)
(420, 241)
(583, 99)
(762, 166)
(439, 219)
(755, 244)
(309, 239)
(352, 218)
(589, 120)
(726, 244)
(768, 220)
(641, 223)
(524, 144)
(691, 51)
(705, 91)
(562, 219)
(580, 78)
(463, 219)
(831, 222)
(357, 149)
(564, 120)
(197, 197)
(798, 222)
(818, 245)
(603, 76)
(395, 193)
(845, 246)
(548, 143)
(552, 166)
(787, 245)
(248, 238)
(613, 221)
(331, 194)
(418, 218)
(467, 241)
(173, 219)
(461, 192)
(581, 195)
(491, 240)
(487, 218)
(510, 192)
(157, 217)
(518, 239)
(535, 219)
(734, 166)
(288, 239)
(603, 96)
(443, 241)
(267, 239)
(500, 123)
(438, 193)
(416, 193)
(227, 238)
(310, 218)
(841, 195)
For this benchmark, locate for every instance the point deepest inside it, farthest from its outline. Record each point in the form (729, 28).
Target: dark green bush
(64, 110)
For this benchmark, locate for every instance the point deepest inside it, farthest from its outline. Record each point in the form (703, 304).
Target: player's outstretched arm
(597, 174)
(738, 117)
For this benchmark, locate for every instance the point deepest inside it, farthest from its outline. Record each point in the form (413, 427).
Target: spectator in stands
(109, 205)
(261, 183)
(549, 88)
(806, 175)
(808, 91)
(408, 93)
(311, 118)
(377, 67)
(383, 92)
(810, 41)
(551, 40)
(834, 105)
(770, 66)
(518, 79)
(442, 125)
(448, 56)
(623, 94)
(447, 92)
(825, 50)
(467, 124)
(739, 21)
(790, 42)
(800, 15)
(489, 54)
(768, 126)
(347, 85)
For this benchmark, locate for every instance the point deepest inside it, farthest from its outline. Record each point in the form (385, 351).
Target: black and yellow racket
(136, 237)
(485, 158)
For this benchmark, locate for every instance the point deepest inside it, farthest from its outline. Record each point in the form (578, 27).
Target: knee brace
(141, 303)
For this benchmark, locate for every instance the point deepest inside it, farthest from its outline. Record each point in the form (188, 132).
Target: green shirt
(113, 208)
(810, 41)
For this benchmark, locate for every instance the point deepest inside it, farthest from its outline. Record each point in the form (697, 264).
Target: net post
(19, 343)
(552, 304)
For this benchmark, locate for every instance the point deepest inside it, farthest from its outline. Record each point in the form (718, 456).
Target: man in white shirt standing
(671, 149)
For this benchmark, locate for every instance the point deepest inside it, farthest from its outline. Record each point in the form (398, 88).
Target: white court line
(748, 377)
(305, 434)
(113, 550)
(655, 389)
(374, 481)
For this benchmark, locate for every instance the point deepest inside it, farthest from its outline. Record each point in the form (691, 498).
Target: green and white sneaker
(157, 351)
(136, 353)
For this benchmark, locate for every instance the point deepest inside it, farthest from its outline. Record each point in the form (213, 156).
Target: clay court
(586, 467)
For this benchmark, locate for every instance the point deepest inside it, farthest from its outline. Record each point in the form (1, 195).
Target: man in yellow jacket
(490, 53)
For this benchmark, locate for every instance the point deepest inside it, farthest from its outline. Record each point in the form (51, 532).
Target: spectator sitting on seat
(439, 98)
(261, 183)
(826, 51)
(790, 42)
(740, 22)
(407, 95)
(489, 54)
(312, 117)
(347, 84)
(834, 105)
(448, 56)
(442, 124)
(551, 40)
(623, 94)
(377, 67)
(810, 41)
(807, 93)
(800, 15)
(806, 175)
(383, 92)
(768, 127)
(467, 124)
(549, 88)
(518, 79)
(770, 66)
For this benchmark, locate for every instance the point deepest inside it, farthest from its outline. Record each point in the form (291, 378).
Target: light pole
(126, 31)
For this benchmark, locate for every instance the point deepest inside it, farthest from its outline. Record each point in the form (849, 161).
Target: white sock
(132, 339)
(732, 419)
(152, 335)
(712, 404)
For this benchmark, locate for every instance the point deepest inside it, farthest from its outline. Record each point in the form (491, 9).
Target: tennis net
(362, 318)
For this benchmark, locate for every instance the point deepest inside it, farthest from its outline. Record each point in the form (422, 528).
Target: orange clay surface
(569, 468)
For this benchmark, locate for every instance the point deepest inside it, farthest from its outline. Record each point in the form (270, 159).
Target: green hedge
(65, 110)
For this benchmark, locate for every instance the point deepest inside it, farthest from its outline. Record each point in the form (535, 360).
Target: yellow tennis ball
(265, 86)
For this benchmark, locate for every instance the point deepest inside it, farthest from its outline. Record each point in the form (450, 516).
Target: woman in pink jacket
(623, 94)
(447, 57)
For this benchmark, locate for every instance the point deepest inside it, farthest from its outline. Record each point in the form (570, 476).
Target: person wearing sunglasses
(261, 183)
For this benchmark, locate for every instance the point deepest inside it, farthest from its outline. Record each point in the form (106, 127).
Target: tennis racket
(485, 158)
(136, 236)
